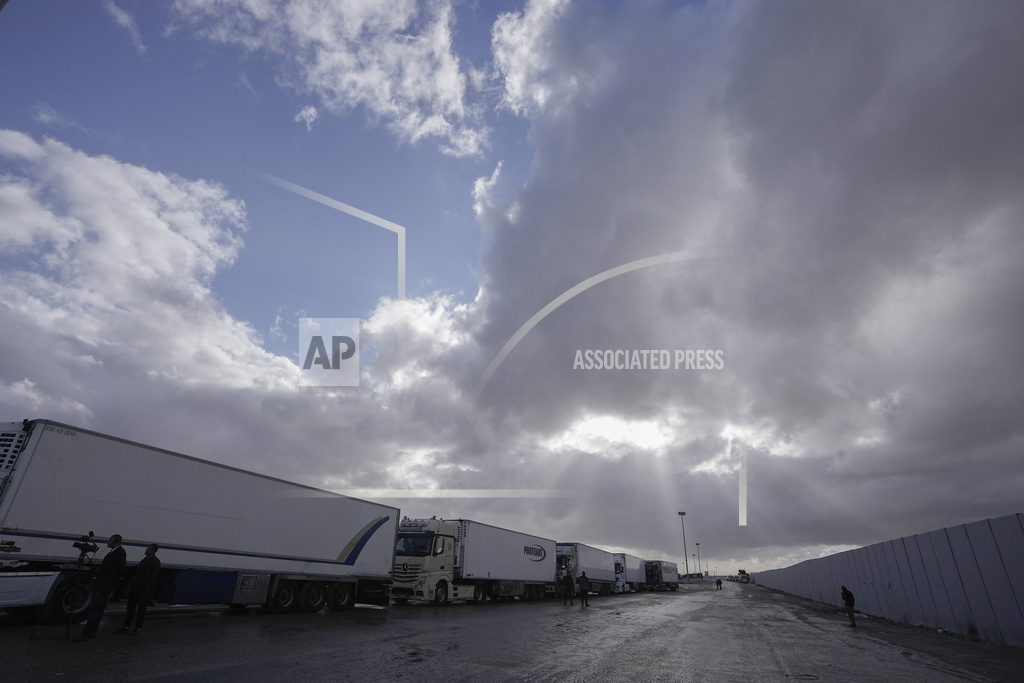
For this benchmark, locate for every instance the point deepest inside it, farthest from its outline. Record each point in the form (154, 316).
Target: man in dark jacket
(584, 583)
(142, 588)
(849, 600)
(107, 576)
(568, 587)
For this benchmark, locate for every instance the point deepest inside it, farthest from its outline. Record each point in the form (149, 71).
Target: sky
(824, 197)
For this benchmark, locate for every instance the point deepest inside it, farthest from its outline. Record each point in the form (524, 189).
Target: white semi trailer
(576, 558)
(630, 573)
(458, 559)
(662, 575)
(226, 536)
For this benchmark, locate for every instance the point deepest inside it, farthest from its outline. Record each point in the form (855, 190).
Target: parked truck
(226, 536)
(630, 573)
(662, 575)
(459, 559)
(576, 558)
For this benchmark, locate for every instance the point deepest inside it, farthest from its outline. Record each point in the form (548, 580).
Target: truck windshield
(414, 545)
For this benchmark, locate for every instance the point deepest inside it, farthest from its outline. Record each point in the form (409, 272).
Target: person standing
(107, 576)
(142, 588)
(718, 582)
(567, 588)
(584, 583)
(849, 601)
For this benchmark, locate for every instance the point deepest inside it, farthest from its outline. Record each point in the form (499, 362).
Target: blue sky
(161, 97)
(843, 180)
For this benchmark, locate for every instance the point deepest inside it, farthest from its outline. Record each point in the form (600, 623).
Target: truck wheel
(285, 598)
(312, 597)
(479, 595)
(341, 596)
(71, 598)
(441, 593)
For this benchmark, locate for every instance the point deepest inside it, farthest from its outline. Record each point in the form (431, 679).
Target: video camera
(86, 545)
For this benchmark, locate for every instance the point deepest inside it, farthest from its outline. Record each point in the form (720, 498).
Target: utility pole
(686, 559)
(698, 562)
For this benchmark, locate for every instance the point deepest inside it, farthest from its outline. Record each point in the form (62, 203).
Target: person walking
(718, 582)
(141, 590)
(567, 588)
(111, 570)
(849, 601)
(584, 583)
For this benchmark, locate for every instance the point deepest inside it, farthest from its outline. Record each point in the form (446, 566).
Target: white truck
(459, 559)
(662, 575)
(226, 536)
(630, 573)
(576, 558)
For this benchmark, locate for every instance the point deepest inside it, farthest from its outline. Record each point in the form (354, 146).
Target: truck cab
(424, 560)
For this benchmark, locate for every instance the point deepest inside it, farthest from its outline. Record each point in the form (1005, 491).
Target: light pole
(698, 562)
(682, 519)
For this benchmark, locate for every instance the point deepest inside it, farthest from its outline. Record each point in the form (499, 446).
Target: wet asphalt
(741, 633)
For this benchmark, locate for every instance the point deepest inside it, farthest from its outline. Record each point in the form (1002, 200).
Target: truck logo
(535, 552)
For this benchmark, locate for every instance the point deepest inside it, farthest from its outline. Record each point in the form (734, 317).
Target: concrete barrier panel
(895, 590)
(968, 579)
(983, 618)
(923, 585)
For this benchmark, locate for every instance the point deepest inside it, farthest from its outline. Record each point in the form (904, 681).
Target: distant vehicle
(226, 536)
(630, 573)
(576, 558)
(662, 575)
(459, 559)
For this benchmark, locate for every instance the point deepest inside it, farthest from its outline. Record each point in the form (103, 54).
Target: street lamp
(682, 519)
(698, 562)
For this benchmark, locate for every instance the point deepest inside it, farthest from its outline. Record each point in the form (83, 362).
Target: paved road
(742, 633)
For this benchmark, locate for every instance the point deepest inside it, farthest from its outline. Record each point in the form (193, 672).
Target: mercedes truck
(439, 560)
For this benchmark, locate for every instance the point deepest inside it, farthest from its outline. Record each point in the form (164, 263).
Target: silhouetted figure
(567, 589)
(718, 582)
(849, 601)
(584, 583)
(110, 572)
(141, 590)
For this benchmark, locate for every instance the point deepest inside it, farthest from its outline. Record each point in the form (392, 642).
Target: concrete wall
(967, 578)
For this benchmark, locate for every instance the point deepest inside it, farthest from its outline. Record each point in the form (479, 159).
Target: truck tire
(284, 598)
(479, 594)
(312, 597)
(341, 596)
(441, 593)
(70, 598)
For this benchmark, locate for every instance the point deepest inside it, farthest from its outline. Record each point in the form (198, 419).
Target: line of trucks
(228, 536)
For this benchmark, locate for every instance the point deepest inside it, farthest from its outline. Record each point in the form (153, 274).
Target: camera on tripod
(86, 545)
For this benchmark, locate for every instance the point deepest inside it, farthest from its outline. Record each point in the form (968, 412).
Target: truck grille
(405, 572)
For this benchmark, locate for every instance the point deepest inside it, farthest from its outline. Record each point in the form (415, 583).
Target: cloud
(117, 264)
(526, 54)
(395, 60)
(307, 116)
(860, 166)
(127, 22)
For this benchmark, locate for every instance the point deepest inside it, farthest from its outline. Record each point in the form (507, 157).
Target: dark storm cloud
(864, 162)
